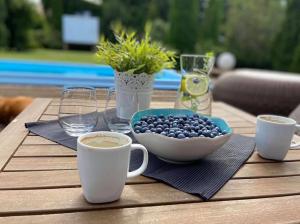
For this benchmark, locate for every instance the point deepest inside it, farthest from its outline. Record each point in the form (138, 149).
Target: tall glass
(194, 92)
(78, 111)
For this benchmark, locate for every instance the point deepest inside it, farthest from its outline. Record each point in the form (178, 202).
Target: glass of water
(112, 115)
(78, 110)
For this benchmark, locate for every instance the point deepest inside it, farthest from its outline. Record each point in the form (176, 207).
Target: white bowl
(179, 150)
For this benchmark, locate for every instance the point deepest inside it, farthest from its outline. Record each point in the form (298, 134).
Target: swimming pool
(25, 72)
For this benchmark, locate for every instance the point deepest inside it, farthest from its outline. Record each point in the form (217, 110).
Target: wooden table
(39, 182)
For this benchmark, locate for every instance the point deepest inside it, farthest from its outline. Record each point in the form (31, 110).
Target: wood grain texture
(71, 199)
(37, 140)
(57, 178)
(267, 211)
(15, 132)
(59, 157)
(50, 179)
(44, 150)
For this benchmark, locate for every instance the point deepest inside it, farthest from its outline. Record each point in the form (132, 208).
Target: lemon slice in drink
(196, 85)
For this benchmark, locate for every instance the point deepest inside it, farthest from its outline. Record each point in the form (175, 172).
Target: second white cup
(274, 136)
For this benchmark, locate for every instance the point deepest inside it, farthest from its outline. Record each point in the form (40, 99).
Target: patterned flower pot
(133, 93)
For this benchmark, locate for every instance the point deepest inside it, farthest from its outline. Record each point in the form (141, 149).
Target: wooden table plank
(71, 199)
(15, 132)
(44, 150)
(59, 157)
(37, 140)
(49, 179)
(57, 178)
(267, 211)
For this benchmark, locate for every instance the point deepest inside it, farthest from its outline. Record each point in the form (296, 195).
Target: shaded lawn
(51, 55)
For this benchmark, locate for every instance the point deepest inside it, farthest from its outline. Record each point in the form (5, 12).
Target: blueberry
(137, 127)
(178, 133)
(216, 129)
(158, 130)
(138, 123)
(160, 126)
(167, 121)
(188, 128)
(193, 134)
(201, 136)
(151, 126)
(201, 121)
(201, 126)
(172, 135)
(200, 132)
(164, 133)
(161, 116)
(148, 131)
(181, 121)
(212, 135)
(195, 115)
(155, 123)
(186, 133)
(165, 126)
(208, 127)
(137, 131)
(153, 130)
(215, 133)
(144, 129)
(181, 136)
(206, 133)
(224, 132)
(208, 122)
(144, 118)
(196, 128)
(204, 118)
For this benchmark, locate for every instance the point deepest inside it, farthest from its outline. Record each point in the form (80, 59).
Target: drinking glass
(78, 110)
(112, 116)
(195, 91)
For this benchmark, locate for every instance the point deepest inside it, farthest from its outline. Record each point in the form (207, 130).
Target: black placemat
(203, 178)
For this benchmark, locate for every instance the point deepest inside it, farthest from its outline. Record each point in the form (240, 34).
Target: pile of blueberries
(180, 127)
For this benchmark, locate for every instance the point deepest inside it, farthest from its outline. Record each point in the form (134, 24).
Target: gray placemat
(203, 178)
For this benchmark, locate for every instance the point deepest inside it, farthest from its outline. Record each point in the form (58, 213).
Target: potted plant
(135, 62)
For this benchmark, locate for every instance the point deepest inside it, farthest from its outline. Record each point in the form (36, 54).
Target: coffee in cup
(274, 136)
(103, 163)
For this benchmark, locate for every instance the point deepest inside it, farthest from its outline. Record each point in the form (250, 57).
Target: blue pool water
(60, 74)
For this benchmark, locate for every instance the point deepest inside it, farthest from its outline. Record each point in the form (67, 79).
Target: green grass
(51, 55)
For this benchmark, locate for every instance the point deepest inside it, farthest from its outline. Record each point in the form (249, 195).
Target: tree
(250, 30)
(3, 30)
(211, 26)
(288, 39)
(21, 20)
(131, 13)
(184, 25)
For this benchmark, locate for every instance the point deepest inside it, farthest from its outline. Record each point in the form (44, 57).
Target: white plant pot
(133, 93)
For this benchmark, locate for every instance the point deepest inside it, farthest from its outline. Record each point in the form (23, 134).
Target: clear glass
(78, 110)
(111, 117)
(195, 92)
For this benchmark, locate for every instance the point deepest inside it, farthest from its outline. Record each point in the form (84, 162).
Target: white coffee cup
(103, 171)
(274, 136)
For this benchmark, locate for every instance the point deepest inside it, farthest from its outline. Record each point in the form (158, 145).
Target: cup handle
(296, 145)
(143, 167)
